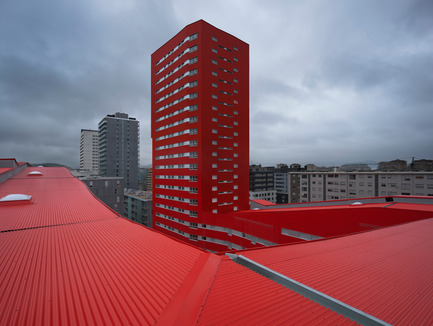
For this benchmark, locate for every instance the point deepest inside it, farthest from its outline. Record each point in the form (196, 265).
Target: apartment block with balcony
(200, 129)
(321, 186)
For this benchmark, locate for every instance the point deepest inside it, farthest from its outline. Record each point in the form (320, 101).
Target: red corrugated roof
(386, 273)
(68, 259)
(57, 198)
(65, 258)
(263, 202)
(3, 170)
(239, 296)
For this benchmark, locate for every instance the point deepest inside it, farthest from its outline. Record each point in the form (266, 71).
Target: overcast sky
(331, 82)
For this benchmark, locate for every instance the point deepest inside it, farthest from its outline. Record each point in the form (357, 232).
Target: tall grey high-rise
(119, 148)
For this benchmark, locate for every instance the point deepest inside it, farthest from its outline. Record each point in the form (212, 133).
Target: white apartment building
(269, 195)
(89, 156)
(319, 186)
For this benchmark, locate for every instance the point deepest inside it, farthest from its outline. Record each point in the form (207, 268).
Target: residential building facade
(138, 207)
(119, 148)
(89, 155)
(200, 128)
(109, 190)
(321, 186)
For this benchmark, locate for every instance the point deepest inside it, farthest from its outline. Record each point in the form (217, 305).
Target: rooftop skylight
(35, 173)
(15, 198)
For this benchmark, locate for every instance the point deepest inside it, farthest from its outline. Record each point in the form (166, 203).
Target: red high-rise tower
(200, 130)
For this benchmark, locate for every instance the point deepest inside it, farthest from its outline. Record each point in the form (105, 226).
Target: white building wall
(89, 156)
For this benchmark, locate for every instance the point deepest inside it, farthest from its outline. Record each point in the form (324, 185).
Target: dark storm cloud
(331, 82)
(65, 65)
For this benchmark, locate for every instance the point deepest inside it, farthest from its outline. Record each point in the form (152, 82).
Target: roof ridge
(186, 303)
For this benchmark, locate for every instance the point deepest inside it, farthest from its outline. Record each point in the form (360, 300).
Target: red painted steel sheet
(240, 296)
(386, 273)
(57, 198)
(101, 272)
(3, 170)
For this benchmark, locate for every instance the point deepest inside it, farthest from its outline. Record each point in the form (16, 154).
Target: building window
(214, 96)
(214, 73)
(214, 39)
(193, 84)
(214, 62)
(193, 48)
(193, 167)
(214, 108)
(193, 72)
(192, 96)
(214, 50)
(193, 37)
(193, 60)
(193, 213)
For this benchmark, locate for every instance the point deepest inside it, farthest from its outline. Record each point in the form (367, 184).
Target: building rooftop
(66, 258)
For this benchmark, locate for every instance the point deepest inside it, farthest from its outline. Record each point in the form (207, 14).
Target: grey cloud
(330, 81)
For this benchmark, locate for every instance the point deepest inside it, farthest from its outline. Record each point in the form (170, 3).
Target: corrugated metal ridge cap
(321, 298)
(186, 303)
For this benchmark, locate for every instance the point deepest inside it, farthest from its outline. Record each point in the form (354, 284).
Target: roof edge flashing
(323, 299)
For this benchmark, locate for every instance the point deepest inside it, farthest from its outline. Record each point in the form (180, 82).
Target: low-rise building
(107, 189)
(395, 165)
(138, 207)
(269, 195)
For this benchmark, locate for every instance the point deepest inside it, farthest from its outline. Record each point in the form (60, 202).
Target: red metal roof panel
(3, 170)
(386, 273)
(239, 296)
(57, 198)
(100, 272)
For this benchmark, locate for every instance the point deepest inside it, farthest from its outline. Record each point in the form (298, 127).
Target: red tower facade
(200, 130)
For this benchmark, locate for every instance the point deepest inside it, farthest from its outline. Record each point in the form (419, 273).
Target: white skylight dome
(35, 173)
(15, 197)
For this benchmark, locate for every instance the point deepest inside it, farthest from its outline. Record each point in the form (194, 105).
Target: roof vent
(35, 173)
(15, 199)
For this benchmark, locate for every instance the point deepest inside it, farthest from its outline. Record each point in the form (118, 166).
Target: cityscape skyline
(349, 82)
